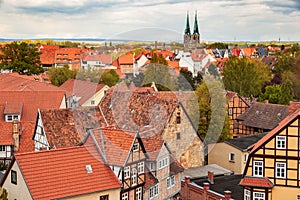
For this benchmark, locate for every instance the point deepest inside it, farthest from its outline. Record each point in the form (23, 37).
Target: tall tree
(20, 58)
(286, 92)
(60, 75)
(185, 80)
(294, 76)
(244, 76)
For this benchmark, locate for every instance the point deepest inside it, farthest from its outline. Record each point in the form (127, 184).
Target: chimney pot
(206, 186)
(211, 177)
(227, 194)
(187, 179)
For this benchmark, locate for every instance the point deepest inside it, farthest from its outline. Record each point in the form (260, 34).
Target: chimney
(187, 179)
(16, 135)
(210, 177)
(227, 194)
(206, 186)
(266, 101)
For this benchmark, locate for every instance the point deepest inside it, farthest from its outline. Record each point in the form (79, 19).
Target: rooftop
(262, 182)
(201, 172)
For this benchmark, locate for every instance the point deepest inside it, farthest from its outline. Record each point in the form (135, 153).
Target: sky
(161, 20)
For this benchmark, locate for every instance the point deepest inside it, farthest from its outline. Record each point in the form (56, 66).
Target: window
(258, 168)
(163, 163)
(152, 166)
(298, 197)
(247, 195)
(135, 147)
(178, 135)
(259, 196)
(230, 111)
(104, 197)
(9, 118)
(231, 157)
(13, 177)
(127, 172)
(93, 102)
(140, 167)
(89, 168)
(138, 194)
(170, 181)
(154, 191)
(178, 119)
(280, 142)
(280, 170)
(133, 177)
(125, 196)
(2, 148)
(245, 157)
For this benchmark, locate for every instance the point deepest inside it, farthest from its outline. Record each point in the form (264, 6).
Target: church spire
(187, 30)
(196, 29)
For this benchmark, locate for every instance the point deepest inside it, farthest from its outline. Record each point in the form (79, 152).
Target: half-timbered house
(272, 171)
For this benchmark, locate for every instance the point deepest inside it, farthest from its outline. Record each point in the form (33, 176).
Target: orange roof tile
(262, 182)
(26, 142)
(44, 169)
(83, 89)
(48, 54)
(13, 108)
(293, 106)
(126, 59)
(6, 133)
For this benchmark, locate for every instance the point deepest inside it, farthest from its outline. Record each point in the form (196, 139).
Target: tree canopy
(244, 76)
(109, 78)
(60, 75)
(20, 58)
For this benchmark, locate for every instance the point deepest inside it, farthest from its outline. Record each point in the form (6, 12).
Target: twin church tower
(191, 40)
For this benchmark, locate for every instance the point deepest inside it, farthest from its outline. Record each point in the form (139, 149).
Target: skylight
(89, 168)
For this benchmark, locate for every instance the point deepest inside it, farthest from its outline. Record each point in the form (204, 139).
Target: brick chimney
(266, 101)
(16, 136)
(206, 186)
(210, 177)
(227, 194)
(187, 179)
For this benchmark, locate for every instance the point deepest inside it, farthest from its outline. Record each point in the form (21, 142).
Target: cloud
(286, 7)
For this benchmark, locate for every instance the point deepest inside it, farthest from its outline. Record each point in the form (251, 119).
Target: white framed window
(170, 181)
(258, 168)
(135, 147)
(247, 195)
(280, 142)
(10, 118)
(2, 148)
(258, 196)
(92, 102)
(133, 177)
(245, 157)
(125, 196)
(280, 170)
(151, 166)
(138, 193)
(126, 172)
(229, 111)
(140, 167)
(154, 191)
(231, 157)
(163, 163)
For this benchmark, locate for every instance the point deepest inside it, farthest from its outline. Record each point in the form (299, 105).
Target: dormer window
(12, 112)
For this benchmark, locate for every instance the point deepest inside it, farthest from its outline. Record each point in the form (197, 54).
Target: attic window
(178, 119)
(89, 169)
(135, 147)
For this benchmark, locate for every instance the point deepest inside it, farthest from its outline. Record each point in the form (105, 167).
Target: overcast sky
(219, 20)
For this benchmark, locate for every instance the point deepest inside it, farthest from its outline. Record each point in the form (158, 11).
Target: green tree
(186, 80)
(214, 122)
(158, 59)
(60, 75)
(138, 79)
(294, 76)
(20, 58)
(4, 194)
(91, 75)
(272, 94)
(109, 78)
(244, 76)
(286, 92)
(284, 63)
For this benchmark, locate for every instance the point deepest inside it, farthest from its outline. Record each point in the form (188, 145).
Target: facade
(126, 63)
(272, 170)
(236, 106)
(95, 61)
(36, 175)
(191, 41)
(232, 154)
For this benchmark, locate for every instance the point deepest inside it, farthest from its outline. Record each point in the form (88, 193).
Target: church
(191, 41)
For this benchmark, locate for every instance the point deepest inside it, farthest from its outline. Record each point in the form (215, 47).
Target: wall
(188, 149)
(113, 194)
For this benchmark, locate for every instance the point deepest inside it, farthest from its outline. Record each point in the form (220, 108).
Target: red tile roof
(83, 89)
(6, 133)
(276, 130)
(293, 106)
(126, 59)
(26, 142)
(62, 173)
(13, 108)
(261, 182)
(47, 56)
(103, 58)
(13, 82)
(117, 144)
(68, 127)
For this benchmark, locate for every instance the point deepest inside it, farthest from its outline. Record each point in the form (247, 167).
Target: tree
(109, 78)
(284, 63)
(294, 76)
(244, 76)
(91, 75)
(214, 122)
(158, 59)
(20, 58)
(286, 92)
(60, 75)
(186, 80)
(272, 94)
